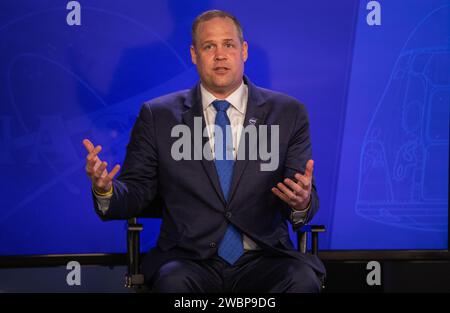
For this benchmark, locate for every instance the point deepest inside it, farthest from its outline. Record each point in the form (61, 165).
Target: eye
(229, 45)
(208, 47)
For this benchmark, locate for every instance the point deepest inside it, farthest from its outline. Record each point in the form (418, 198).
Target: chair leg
(301, 241)
(315, 243)
(134, 277)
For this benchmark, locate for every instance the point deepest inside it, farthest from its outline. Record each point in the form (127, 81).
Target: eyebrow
(212, 41)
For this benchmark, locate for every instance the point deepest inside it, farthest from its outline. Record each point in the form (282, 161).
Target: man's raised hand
(96, 169)
(296, 194)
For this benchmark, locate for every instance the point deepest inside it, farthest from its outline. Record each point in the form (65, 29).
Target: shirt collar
(236, 99)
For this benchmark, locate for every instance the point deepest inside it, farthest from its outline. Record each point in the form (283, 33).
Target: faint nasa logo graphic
(53, 97)
(60, 84)
(403, 176)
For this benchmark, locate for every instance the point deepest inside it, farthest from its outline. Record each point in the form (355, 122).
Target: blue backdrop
(378, 98)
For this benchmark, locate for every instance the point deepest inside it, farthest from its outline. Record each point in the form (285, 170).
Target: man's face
(219, 56)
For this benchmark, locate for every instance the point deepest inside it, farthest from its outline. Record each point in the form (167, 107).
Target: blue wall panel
(378, 99)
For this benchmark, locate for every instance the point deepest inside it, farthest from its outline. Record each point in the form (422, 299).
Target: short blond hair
(209, 15)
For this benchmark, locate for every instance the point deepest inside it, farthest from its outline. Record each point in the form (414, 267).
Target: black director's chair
(135, 279)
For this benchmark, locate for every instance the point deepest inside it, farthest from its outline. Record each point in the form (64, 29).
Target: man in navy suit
(225, 218)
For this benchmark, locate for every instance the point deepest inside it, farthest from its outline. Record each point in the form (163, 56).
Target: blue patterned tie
(231, 246)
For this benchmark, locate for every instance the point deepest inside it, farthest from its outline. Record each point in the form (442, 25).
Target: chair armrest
(302, 237)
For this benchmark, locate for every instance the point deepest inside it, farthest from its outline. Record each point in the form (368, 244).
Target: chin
(221, 85)
(224, 81)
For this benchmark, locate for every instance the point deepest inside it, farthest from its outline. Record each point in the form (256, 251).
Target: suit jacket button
(228, 214)
(212, 245)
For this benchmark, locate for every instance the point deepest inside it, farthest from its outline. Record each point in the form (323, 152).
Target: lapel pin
(252, 120)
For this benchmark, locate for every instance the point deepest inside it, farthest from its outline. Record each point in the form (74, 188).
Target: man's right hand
(96, 169)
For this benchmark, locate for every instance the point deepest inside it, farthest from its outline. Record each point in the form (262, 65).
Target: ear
(245, 51)
(193, 55)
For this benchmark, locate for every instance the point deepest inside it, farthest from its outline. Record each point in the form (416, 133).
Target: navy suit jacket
(195, 214)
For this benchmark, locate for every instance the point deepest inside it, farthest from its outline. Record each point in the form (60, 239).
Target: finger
(88, 145)
(92, 166)
(101, 181)
(280, 195)
(286, 191)
(97, 164)
(94, 153)
(291, 184)
(99, 171)
(114, 171)
(104, 174)
(104, 182)
(303, 181)
(309, 169)
(302, 195)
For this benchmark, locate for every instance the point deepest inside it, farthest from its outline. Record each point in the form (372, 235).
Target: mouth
(221, 70)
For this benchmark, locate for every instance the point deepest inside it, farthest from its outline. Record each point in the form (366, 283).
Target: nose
(220, 54)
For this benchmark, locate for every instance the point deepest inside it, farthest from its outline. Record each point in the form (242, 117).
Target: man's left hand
(296, 194)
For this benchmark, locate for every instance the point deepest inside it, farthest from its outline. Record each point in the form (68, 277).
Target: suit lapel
(195, 109)
(256, 115)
